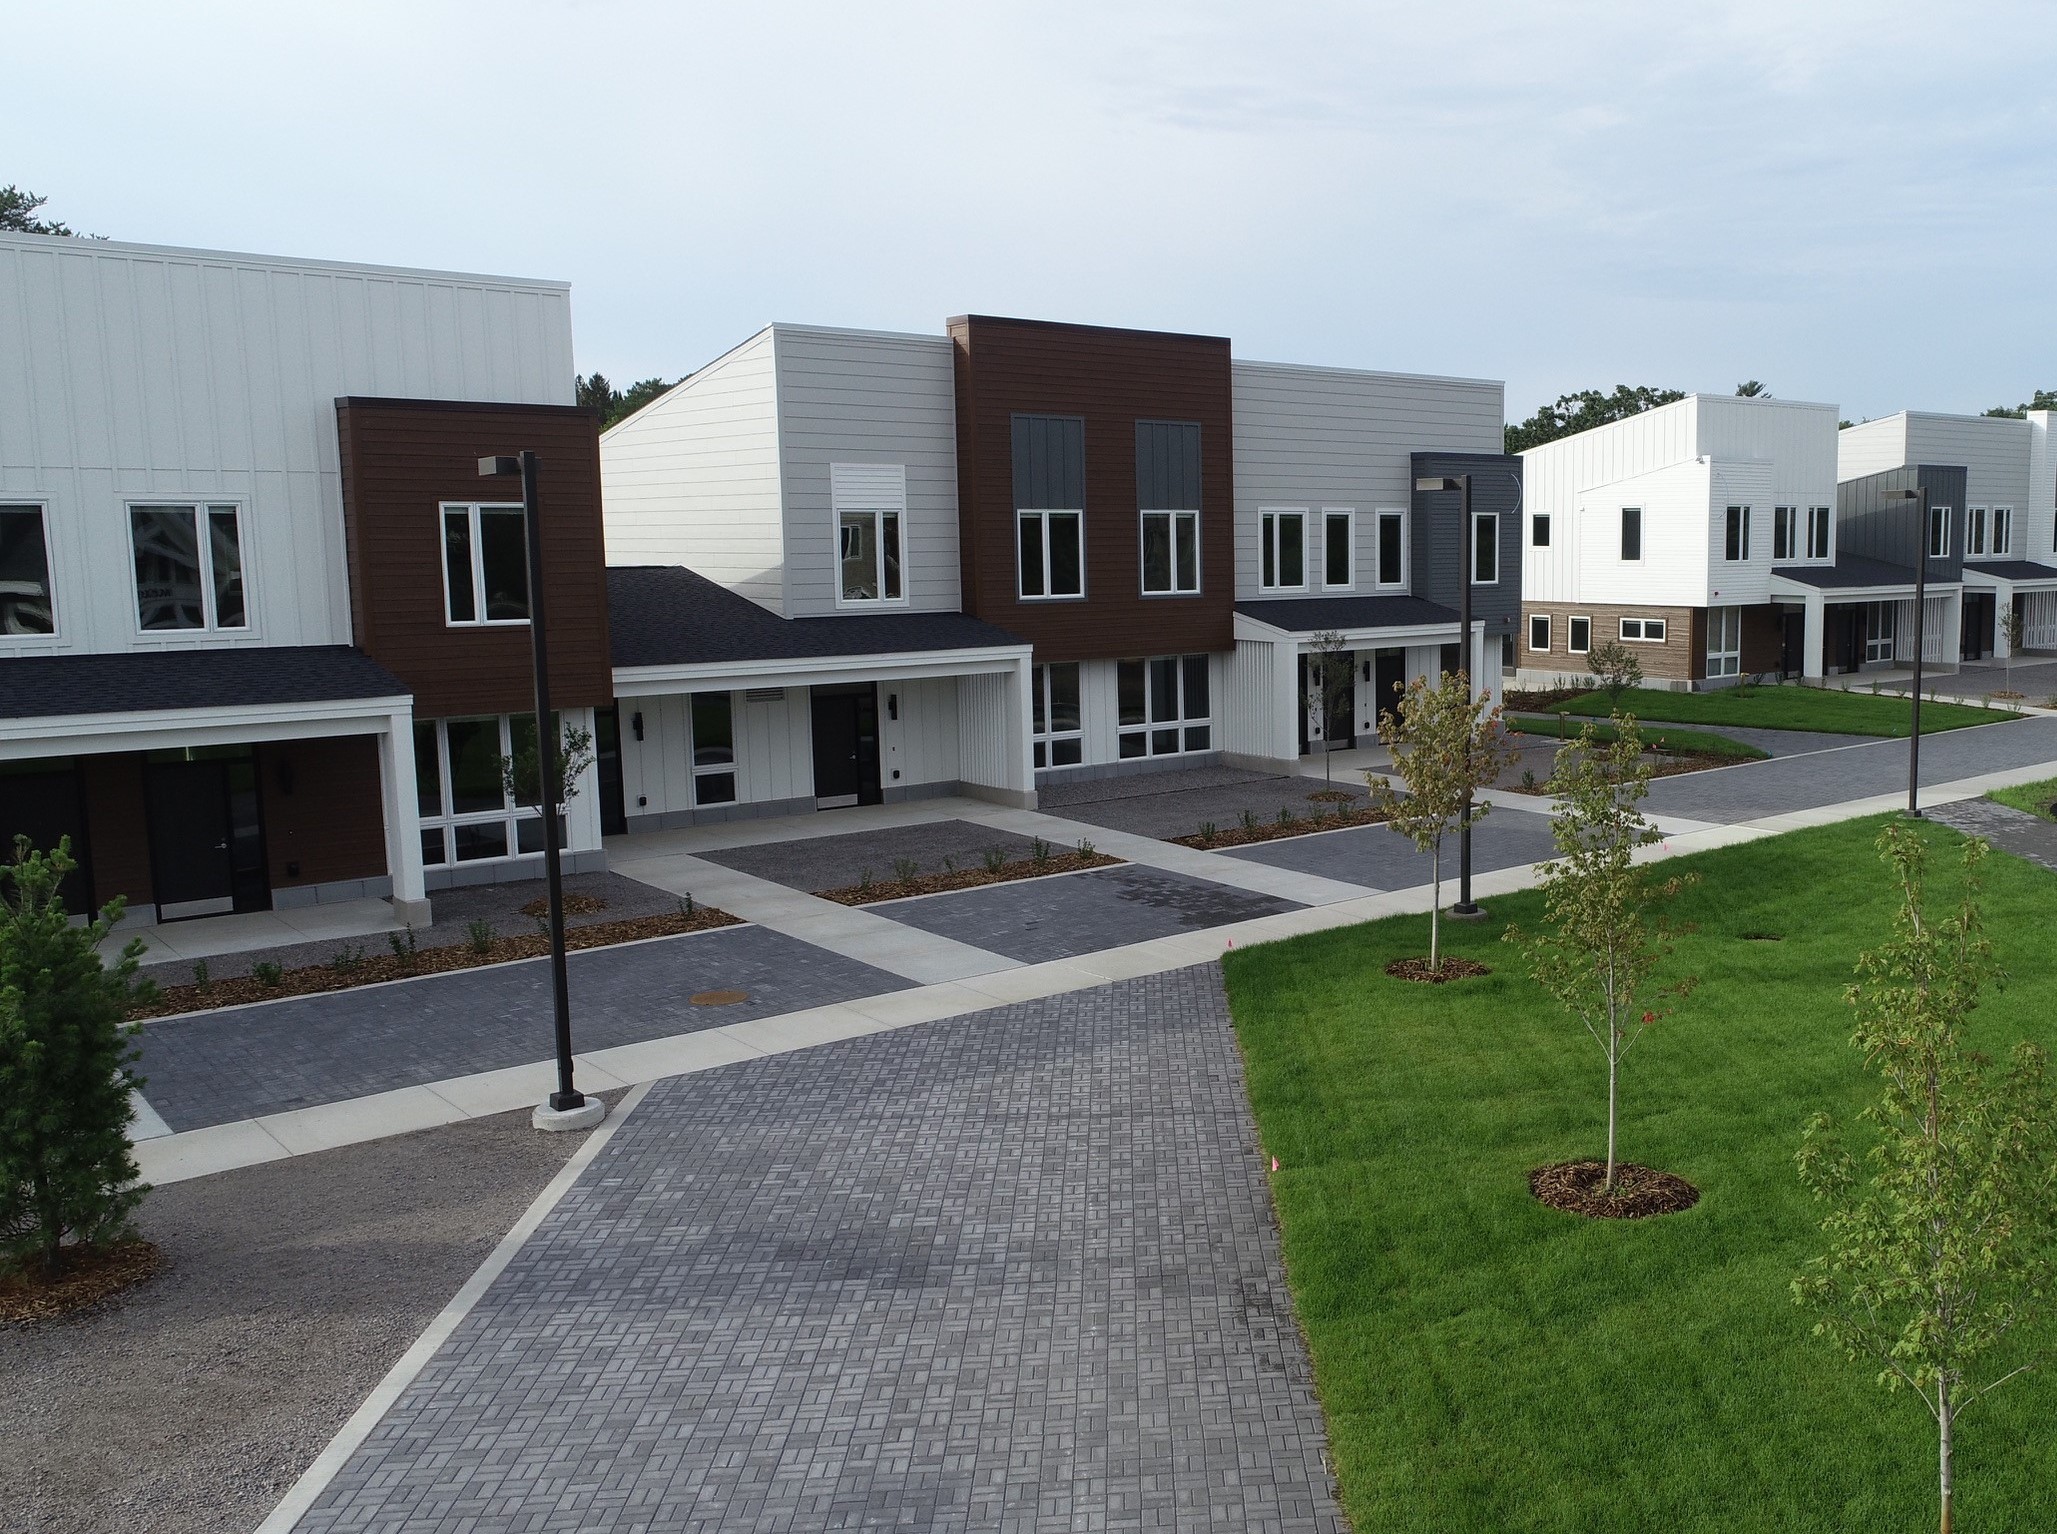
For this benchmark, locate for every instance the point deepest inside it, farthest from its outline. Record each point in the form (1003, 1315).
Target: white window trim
(450, 819)
(1349, 514)
(1047, 737)
(1488, 520)
(1974, 532)
(2003, 549)
(1143, 569)
(1742, 557)
(851, 500)
(1642, 539)
(1533, 620)
(1406, 551)
(1569, 647)
(200, 507)
(1046, 513)
(1729, 661)
(1149, 725)
(1828, 526)
(733, 766)
(478, 566)
(1536, 520)
(56, 635)
(1790, 516)
(1267, 542)
(1642, 636)
(1938, 522)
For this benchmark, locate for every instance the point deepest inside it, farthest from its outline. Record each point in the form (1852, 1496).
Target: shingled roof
(152, 681)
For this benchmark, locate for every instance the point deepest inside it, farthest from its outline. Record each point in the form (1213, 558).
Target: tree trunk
(1944, 1408)
(1613, 1078)
(1435, 912)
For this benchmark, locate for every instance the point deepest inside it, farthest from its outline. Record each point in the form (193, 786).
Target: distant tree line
(596, 393)
(18, 213)
(2046, 399)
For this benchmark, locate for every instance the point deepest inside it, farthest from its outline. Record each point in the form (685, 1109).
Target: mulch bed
(574, 905)
(1453, 968)
(1639, 1191)
(1272, 830)
(171, 1000)
(967, 878)
(87, 1275)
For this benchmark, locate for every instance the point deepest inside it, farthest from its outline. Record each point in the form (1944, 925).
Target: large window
(1736, 548)
(1392, 548)
(1817, 531)
(1724, 641)
(1631, 532)
(467, 815)
(1282, 550)
(1059, 734)
(189, 567)
(1881, 629)
(1643, 630)
(1539, 631)
(25, 603)
(1578, 635)
(1171, 552)
(1785, 532)
(1485, 548)
(1052, 564)
(485, 564)
(714, 748)
(1050, 502)
(1338, 548)
(1939, 532)
(1168, 499)
(2003, 531)
(870, 503)
(1162, 706)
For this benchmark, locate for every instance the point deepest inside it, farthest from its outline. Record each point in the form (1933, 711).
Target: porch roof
(667, 615)
(1850, 571)
(1308, 615)
(161, 681)
(2013, 571)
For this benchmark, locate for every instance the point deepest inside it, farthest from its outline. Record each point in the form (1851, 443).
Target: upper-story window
(189, 567)
(1974, 531)
(1282, 549)
(1736, 548)
(1338, 548)
(1939, 532)
(1050, 506)
(1785, 532)
(1485, 548)
(1168, 501)
(1392, 548)
(1539, 530)
(485, 564)
(25, 602)
(1817, 531)
(2003, 531)
(1631, 532)
(869, 501)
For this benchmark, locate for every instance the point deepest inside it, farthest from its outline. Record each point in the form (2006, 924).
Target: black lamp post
(1461, 483)
(1921, 557)
(567, 1103)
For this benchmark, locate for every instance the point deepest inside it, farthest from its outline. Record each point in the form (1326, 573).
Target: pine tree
(67, 1174)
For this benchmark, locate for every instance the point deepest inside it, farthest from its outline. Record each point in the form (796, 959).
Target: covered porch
(2000, 586)
(1857, 615)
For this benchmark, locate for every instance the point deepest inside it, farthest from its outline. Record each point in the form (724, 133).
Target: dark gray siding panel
(1049, 462)
(1872, 527)
(1434, 559)
(1168, 465)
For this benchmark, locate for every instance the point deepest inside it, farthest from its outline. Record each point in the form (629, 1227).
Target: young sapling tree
(1618, 670)
(1331, 687)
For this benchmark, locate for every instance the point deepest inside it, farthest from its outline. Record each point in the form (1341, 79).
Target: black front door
(1388, 682)
(206, 835)
(846, 745)
(1976, 638)
(1792, 643)
(614, 818)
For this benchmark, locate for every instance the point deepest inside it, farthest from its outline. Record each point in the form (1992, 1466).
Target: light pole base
(584, 1116)
(1463, 912)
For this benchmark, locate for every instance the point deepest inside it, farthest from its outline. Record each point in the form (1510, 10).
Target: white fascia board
(901, 665)
(1373, 637)
(1985, 580)
(156, 729)
(1791, 590)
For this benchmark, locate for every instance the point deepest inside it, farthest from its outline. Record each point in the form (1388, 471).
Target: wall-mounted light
(892, 705)
(636, 723)
(1367, 671)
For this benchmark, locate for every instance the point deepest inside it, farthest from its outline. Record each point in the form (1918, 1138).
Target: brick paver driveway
(1013, 1271)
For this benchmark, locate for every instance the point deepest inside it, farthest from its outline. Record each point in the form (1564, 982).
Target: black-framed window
(26, 604)
(1631, 532)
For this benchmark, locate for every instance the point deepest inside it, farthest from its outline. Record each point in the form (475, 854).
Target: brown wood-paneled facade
(323, 822)
(1111, 379)
(402, 460)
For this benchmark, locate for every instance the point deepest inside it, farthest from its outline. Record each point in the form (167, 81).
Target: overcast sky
(1850, 202)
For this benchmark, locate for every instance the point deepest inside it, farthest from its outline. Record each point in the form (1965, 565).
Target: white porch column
(582, 813)
(1813, 664)
(1286, 702)
(1021, 730)
(403, 819)
(2003, 604)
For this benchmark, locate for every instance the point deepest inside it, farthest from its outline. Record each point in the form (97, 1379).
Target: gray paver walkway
(1014, 1271)
(839, 861)
(1071, 914)
(1378, 857)
(1176, 803)
(2011, 830)
(216, 1067)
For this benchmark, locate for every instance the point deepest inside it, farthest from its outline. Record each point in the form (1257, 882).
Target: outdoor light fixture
(1921, 557)
(892, 705)
(1461, 483)
(567, 1107)
(636, 723)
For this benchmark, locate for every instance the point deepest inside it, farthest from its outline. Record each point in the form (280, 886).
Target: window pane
(225, 549)
(714, 788)
(1197, 737)
(1267, 558)
(1631, 532)
(1163, 742)
(1133, 744)
(432, 845)
(1653, 628)
(1067, 753)
(504, 552)
(167, 549)
(1164, 688)
(1038, 716)
(486, 841)
(1817, 534)
(1539, 530)
(1581, 635)
(1031, 528)
(1064, 696)
(1065, 556)
(1128, 692)
(1037, 752)
(457, 566)
(25, 606)
(1196, 687)
(2003, 532)
(1156, 551)
(521, 731)
(1292, 565)
(714, 739)
(428, 773)
(528, 834)
(1539, 633)
(1485, 550)
(1335, 551)
(475, 781)
(891, 538)
(1389, 551)
(856, 538)
(1188, 529)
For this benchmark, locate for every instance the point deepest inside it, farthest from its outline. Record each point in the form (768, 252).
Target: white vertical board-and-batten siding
(139, 373)
(1313, 437)
(693, 477)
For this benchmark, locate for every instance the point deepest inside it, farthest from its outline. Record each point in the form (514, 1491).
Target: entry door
(1388, 682)
(1793, 644)
(206, 837)
(47, 807)
(1327, 714)
(1975, 641)
(846, 745)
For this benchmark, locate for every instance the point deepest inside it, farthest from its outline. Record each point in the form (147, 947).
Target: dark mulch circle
(88, 1275)
(1639, 1191)
(1762, 937)
(1453, 968)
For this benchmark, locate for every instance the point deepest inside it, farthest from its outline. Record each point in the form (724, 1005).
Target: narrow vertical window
(1784, 530)
(25, 601)
(1939, 532)
(1974, 531)
(1057, 724)
(1578, 637)
(1392, 548)
(1631, 532)
(1282, 550)
(714, 749)
(1338, 549)
(1049, 504)
(1539, 530)
(1485, 548)
(2003, 530)
(1738, 547)
(1817, 532)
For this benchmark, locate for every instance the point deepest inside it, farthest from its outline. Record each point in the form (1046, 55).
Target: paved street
(1014, 1271)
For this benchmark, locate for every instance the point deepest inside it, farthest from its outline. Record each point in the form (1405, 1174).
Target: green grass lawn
(1788, 708)
(1663, 737)
(1488, 1364)
(2036, 798)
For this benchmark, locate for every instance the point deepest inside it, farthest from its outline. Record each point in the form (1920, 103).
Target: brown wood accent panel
(1112, 378)
(1764, 639)
(117, 827)
(401, 459)
(1681, 658)
(323, 817)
